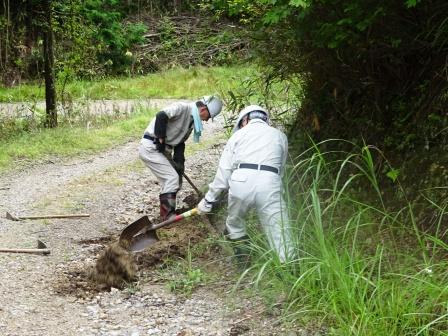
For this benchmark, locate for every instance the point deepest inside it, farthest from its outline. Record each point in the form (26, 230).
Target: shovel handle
(34, 251)
(176, 218)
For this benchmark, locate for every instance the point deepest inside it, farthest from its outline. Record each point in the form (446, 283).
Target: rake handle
(171, 161)
(54, 216)
(34, 251)
(192, 185)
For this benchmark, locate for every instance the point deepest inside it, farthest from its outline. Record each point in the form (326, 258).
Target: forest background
(359, 86)
(375, 72)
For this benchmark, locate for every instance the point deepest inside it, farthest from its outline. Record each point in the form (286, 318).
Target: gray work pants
(160, 167)
(263, 191)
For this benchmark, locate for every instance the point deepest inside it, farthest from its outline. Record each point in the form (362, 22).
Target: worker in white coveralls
(251, 168)
(167, 134)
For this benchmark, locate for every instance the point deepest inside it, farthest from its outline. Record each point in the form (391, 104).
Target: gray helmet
(245, 111)
(213, 103)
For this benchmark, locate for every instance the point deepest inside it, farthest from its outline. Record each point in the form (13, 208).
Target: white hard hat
(213, 103)
(245, 111)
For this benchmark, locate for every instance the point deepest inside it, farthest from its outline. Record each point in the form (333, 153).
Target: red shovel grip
(177, 218)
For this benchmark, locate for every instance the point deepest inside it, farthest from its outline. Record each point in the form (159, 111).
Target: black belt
(258, 167)
(154, 140)
(147, 136)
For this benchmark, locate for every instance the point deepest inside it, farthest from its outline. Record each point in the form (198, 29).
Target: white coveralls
(179, 127)
(256, 143)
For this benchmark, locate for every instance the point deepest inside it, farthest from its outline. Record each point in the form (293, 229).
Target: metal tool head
(143, 240)
(41, 249)
(136, 236)
(10, 216)
(134, 228)
(41, 244)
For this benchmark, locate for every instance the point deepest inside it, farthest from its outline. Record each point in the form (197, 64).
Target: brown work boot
(167, 205)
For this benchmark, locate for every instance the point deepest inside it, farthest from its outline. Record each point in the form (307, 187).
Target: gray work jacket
(180, 123)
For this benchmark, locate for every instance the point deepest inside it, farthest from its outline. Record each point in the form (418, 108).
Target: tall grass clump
(364, 263)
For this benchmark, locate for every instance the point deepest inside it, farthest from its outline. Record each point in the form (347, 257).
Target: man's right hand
(160, 145)
(205, 206)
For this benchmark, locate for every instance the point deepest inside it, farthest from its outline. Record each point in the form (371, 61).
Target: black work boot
(167, 205)
(241, 251)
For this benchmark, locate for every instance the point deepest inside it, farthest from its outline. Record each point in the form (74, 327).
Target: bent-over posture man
(251, 168)
(167, 133)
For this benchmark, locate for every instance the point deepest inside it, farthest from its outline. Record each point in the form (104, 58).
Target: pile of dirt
(115, 267)
(75, 281)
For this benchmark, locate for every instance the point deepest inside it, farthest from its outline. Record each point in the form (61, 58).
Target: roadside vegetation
(71, 140)
(364, 264)
(186, 83)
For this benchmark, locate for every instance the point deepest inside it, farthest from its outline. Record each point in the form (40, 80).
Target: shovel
(140, 234)
(41, 249)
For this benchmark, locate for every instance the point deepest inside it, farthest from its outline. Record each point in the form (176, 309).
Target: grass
(71, 141)
(187, 275)
(174, 83)
(362, 266)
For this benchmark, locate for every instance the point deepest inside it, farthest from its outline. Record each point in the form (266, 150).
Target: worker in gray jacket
(165, 136)
(251, 168)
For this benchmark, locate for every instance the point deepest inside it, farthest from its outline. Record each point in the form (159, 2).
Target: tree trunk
(50, 90)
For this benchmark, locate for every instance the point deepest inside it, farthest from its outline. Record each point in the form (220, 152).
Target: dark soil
(115, 267)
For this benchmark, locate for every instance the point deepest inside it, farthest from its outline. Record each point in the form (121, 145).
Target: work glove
(168, 151)
(205, 206)
(159, 146)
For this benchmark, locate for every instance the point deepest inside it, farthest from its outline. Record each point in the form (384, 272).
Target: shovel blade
(137, 236)
(143, 240)
(134, 228)
(140, 234)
